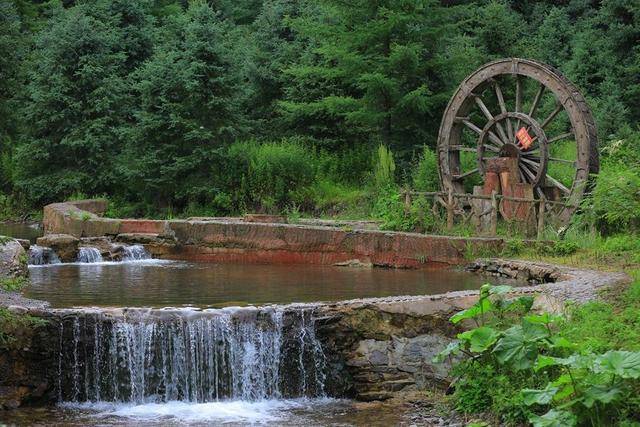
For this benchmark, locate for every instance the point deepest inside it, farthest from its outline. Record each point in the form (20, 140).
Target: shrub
(425, 173)
(529, 369)
(273, 176)
(616, 198)
(384, 170)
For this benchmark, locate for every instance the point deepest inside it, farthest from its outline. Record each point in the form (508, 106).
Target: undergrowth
(517, 366)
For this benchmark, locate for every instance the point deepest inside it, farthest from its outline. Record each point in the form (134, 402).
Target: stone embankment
(386, 345)
(245, 240)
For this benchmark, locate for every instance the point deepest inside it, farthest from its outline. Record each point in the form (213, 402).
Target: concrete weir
(368, 349)
(243, 241)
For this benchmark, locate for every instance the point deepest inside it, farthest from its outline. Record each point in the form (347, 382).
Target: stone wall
(381, 346)
(238, 241)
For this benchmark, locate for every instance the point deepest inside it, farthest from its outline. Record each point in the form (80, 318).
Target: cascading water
(89, 254)
(40, 255)
(135, 253)
(186, 355)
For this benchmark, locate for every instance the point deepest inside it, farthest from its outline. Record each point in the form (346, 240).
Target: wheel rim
(503, 97)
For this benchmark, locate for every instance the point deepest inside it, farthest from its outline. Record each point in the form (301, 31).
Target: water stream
(89, 255)
(154, 356)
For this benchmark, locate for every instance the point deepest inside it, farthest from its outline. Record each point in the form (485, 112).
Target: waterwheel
(524, 110)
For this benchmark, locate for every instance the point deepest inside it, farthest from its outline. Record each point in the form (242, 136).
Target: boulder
(110, 251)
(65, 245)
(13, 258)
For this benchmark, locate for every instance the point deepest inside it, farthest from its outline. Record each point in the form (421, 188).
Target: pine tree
(188, 111)
(78, 98)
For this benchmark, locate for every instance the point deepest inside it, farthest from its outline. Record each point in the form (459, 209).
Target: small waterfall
(135, 253)
(195, 356)
(89, 254)
(40, 255)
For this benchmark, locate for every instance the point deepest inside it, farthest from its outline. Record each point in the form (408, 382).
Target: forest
(331, 109)
(322, 108)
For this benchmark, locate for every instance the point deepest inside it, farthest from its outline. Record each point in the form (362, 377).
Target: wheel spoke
(560, 137)
(536, 100)
(518, 94)
(494, 138)
(467, 123)
(483, 107)
(518, 107)
(553, 114)
(462, 148)
(466, 174)
(569, 162)
(535, 165)
(528, 173)
(558, 184)
(503, 109)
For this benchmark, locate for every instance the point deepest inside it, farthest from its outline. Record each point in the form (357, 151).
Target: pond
(159, 283)
(19, 230)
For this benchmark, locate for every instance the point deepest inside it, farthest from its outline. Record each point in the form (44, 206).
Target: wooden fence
(477, 208)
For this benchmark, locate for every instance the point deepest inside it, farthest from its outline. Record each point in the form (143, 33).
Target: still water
(159, 283)
(20, 230)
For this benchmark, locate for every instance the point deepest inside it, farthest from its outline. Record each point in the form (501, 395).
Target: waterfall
(40, 255)
(187, 355)
(89, 254)
(135, 253)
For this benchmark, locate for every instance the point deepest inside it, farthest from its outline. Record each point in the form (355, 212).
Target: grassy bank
(579, 368)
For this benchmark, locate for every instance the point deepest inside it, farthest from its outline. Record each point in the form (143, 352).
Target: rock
(13, 259)
(65, 245)
(354, 263)
(26, 244)
(108, 250)
(264, 218)
(374, 395)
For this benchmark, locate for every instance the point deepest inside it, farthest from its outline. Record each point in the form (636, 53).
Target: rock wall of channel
(239, 240)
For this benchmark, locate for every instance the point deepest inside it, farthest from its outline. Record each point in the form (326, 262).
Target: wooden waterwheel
(526, 110)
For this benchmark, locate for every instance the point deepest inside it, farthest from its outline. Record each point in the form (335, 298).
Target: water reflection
(159, 283)
(21, 230)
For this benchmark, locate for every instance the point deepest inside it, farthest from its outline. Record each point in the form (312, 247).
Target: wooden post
(450, 210)
(407, 203)
(541, 210)
(494, 214)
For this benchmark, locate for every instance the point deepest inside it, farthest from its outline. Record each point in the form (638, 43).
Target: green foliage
(140, 101)
(385, 168)
(530, 361)
(425, 175)
(10, 323)
(273, 175)
(616, 199)
(13, 284)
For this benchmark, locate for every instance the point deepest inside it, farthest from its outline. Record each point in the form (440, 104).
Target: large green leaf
(543, 319)
(600, 393)
(545, 361)
(452, 349)
(482, 306)
(554, 418)
(480, 339)
(625, 364)
(540, 397)
(516, 348)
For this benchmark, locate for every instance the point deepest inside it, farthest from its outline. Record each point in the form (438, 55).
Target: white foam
(225, 411)
(151, 261)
